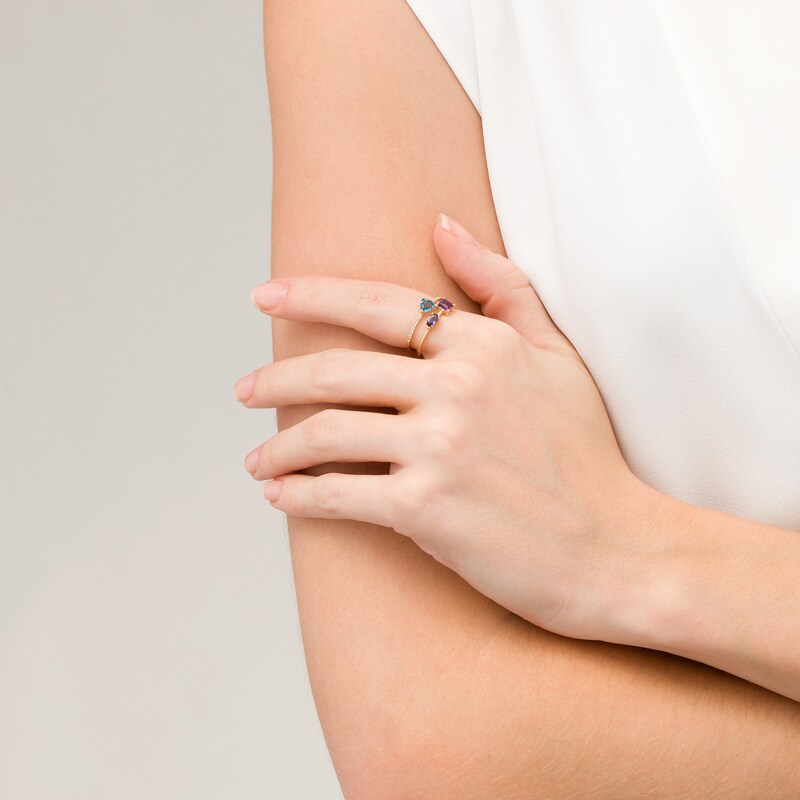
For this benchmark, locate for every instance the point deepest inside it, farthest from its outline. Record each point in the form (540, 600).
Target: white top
(644, 159)
(741, 63)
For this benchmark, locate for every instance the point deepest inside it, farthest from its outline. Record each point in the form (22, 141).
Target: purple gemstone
(445, 304)
(432, 320)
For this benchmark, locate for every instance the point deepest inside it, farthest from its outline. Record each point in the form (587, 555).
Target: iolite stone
(446, 305)
(426, 304)
(432, 320)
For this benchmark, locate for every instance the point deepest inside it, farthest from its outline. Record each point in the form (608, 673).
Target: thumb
(500, 287)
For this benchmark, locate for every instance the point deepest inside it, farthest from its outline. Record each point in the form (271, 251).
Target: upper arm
(373, 136)
(414, 673)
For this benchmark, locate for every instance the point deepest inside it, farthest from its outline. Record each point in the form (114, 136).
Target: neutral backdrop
(149, 643)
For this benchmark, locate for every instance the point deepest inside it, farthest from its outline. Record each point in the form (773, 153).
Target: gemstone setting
(445, 304)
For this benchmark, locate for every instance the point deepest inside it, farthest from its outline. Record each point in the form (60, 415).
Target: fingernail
(268, 295)
(272, 490)
(459, 231)
(243, 389)
(251, 460)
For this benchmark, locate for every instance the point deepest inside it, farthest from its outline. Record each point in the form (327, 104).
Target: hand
(504, 464)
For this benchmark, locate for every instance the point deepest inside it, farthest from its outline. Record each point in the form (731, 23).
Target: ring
(443, 307)
(425, 305)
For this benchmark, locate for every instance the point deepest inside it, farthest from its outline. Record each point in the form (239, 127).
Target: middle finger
(339, 375)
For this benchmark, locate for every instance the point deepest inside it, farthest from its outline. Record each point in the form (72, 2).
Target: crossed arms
(425, 688)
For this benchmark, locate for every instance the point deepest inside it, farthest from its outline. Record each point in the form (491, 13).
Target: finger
(503, 290)
(334, 495)
(333, 434)
(339, 375)
(382, 310)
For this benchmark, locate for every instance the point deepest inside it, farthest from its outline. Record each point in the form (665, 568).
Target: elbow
(384, 768)
(399, 753)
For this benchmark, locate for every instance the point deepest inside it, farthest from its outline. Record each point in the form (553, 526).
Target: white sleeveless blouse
(644, 160)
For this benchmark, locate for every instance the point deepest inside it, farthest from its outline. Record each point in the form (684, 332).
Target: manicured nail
(459, 231)
(251, 460)
(243, 389)
(268, 295)
(272, 490)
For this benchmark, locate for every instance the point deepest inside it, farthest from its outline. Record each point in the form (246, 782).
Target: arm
(728, 595)
(424, 687)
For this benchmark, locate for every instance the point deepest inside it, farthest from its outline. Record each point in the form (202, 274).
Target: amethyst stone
(432, 320)
(445, 305)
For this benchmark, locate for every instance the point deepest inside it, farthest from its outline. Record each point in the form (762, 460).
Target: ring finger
(333, 434)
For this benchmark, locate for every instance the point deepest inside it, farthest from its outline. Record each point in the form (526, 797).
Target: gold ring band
(413, 328)
(419, 346)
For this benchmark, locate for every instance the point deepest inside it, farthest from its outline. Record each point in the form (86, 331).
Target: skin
(424, 686)
(553, 526)
(539, 528)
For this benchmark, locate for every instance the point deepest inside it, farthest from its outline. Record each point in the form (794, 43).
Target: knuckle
(463, 379)
(320, 431)
(326, 372)
(500, 335)
(373, 297)
(326, 493)
(414, 499)
(263, 389)
(443, 433)
(316, 288)
(266, 391)
(266, 458)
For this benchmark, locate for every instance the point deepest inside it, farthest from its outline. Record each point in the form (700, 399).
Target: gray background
(149, 644)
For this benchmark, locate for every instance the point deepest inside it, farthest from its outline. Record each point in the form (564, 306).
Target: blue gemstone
(426, 304)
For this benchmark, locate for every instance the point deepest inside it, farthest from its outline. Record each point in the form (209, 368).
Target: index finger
(382, 310)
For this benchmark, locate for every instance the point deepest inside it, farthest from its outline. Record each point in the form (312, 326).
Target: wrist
(655, 578)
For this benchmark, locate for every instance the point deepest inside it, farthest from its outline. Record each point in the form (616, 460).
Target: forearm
(728, 594)
(426, 689)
